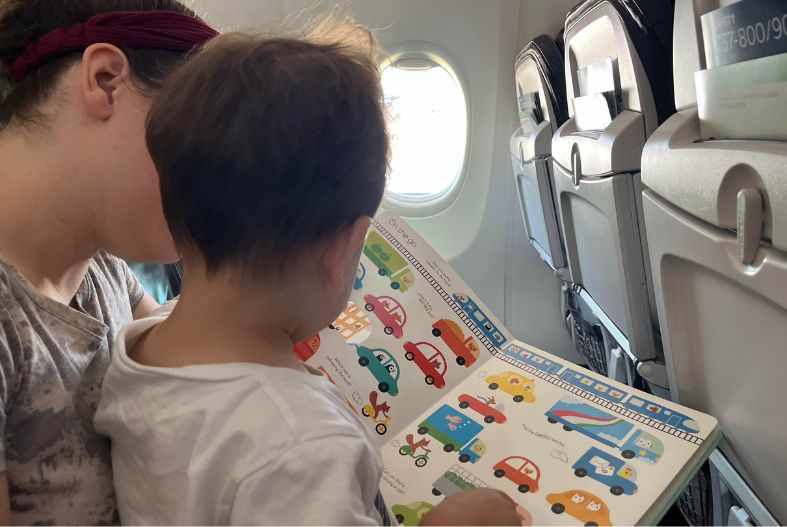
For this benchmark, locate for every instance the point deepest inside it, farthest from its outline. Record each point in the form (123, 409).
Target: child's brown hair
(267, 145)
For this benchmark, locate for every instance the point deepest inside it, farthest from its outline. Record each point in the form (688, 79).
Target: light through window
(428, 128)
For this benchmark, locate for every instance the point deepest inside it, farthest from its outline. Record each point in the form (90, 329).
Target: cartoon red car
(465, 349)
(389, 312)
(482, 405)
(521, 471)
(431, 361)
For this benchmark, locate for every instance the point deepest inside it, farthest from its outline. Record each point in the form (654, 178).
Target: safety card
(457, 402)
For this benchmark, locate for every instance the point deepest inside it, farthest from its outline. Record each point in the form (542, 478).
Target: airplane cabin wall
(533, 292)
(481, 232)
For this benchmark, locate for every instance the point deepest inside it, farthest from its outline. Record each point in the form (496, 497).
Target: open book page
(458, 403)
(571, 447)
(411, 331)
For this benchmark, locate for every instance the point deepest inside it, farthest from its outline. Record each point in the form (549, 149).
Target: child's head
(272, 154)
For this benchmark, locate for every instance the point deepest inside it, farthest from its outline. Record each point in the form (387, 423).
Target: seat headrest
(549, 60)
(648, 24)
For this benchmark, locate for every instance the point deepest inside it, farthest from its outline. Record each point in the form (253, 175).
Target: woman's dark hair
(22, 22)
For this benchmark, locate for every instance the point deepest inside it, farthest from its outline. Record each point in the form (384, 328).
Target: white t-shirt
(234, 444)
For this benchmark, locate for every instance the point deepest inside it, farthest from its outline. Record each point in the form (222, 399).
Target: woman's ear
(105, 74)
(341, 254)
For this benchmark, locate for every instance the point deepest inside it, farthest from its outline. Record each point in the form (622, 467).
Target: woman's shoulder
(110, 266)
(14, 291)
(114, 281)
(14, 321)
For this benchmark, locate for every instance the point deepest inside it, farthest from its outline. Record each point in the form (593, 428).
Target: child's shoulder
(304, 406)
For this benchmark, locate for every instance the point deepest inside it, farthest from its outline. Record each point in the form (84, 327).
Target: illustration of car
(389, 312)
(360, 274)
(513, 384)
(521, 471)
(353, 325)
(615, 473)
(412, 513)
(484, 407)
(455, 431)
(388, 261)
(480, 319)
(306, 348)
(382, 366)
(466, 350)
(430, 361)
(455, 480)
(582, 505)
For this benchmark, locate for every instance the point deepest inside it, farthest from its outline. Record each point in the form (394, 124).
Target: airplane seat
(619, 84)
(541, 102)
(715, 211)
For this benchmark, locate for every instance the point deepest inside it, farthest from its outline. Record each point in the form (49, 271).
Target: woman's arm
(145, 307)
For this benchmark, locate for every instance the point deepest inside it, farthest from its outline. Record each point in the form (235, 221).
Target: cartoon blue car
(382, 365)
(605, 468)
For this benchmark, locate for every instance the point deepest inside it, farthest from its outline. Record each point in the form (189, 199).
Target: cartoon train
(480, 319)
(611, 430)
(603, 390)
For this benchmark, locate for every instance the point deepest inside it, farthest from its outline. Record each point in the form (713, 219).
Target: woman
(76, 185)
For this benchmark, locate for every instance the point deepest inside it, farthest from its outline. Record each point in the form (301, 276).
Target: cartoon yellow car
(582, 505)
(513, 384)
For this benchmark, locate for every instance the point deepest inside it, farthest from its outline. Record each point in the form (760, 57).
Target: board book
(456, 402)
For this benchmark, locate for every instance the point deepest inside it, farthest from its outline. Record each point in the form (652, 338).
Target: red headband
(165, 30)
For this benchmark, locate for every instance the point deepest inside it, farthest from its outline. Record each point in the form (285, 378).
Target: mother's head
(77, 78)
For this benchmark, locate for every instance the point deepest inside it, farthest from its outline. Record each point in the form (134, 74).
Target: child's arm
(329, 481)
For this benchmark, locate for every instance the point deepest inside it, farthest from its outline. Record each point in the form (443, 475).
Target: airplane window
(428, 128)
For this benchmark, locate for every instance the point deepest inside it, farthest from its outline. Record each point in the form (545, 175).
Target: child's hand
(474, 507)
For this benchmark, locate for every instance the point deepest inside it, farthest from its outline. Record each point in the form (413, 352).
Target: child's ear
(342, 253)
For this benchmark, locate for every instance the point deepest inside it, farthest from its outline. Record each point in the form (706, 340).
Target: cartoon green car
(411, 514)
(382, 365)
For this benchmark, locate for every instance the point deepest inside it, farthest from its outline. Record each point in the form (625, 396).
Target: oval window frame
(435, 203)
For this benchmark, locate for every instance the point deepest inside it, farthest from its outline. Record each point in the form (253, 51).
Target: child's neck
(219, 321)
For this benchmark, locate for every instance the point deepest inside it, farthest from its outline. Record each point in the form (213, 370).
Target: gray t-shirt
(52, 362)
